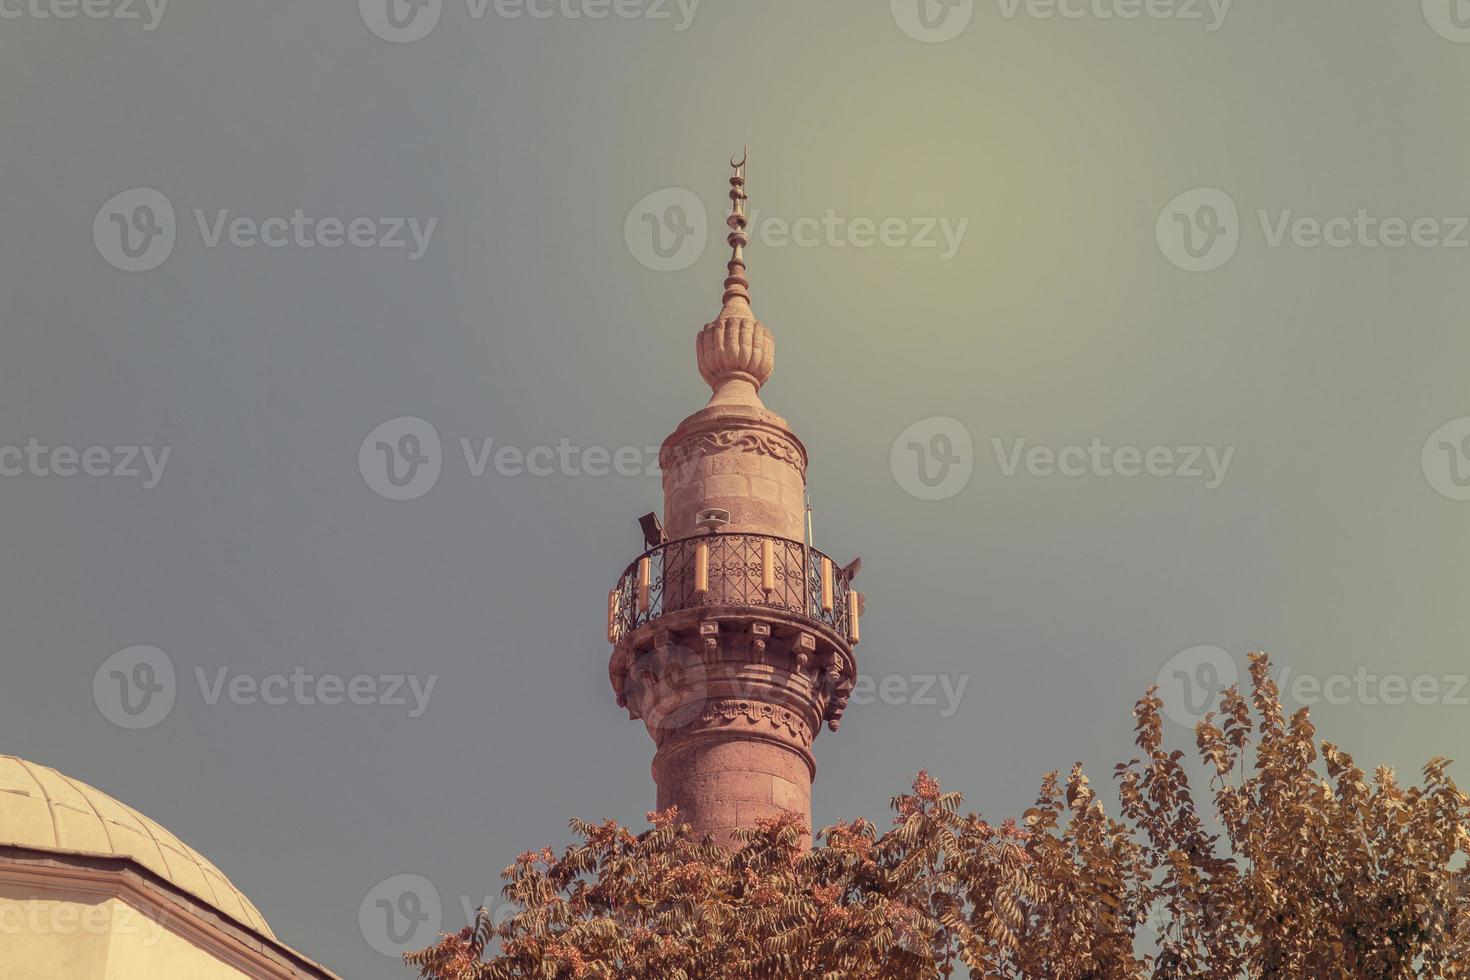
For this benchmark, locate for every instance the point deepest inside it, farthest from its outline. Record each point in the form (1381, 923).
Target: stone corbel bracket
(670, 669)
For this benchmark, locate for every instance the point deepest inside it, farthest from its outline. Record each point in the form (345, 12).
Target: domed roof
(44, 810)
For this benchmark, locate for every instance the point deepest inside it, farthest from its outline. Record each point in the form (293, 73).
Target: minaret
(732, 637)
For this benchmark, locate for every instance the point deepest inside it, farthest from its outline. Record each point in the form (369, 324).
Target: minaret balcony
(727, 574)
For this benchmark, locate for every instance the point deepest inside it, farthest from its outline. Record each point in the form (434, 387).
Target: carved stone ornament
(756, 712)
(733, 440)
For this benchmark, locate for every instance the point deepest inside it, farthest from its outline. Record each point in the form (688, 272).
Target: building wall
(65, 935)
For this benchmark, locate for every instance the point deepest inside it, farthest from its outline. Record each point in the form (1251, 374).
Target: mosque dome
(43, 810)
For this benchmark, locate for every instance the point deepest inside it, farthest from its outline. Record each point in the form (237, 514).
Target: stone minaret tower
(732, 637)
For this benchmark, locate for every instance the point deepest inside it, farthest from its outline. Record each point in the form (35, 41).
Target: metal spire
(737, 286)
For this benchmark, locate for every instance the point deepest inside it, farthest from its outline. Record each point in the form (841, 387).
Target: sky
(1126, 338)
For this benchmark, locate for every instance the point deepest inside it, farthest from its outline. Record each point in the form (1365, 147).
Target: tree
(1308, 869)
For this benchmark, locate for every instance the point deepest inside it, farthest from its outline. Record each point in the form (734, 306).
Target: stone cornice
(113, 876)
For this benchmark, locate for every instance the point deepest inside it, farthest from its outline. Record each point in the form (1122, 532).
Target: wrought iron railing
(735, 568)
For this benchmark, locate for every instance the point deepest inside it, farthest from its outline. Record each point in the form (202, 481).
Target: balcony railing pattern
(735, 568)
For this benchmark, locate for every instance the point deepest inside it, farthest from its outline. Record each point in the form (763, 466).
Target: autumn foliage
(1302, 866)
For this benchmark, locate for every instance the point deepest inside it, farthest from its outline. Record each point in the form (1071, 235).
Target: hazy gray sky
(1220, 247)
